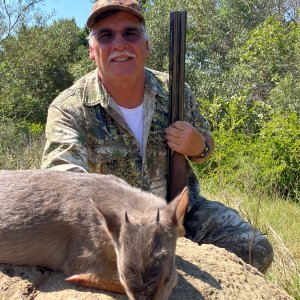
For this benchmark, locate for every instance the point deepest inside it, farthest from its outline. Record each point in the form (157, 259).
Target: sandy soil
(204, 272)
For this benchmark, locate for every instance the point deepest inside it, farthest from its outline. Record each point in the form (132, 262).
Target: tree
(14, 14)
(215, 30)
(269, 66)
(36, 68)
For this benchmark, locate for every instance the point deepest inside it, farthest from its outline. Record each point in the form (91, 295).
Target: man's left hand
(185, 139)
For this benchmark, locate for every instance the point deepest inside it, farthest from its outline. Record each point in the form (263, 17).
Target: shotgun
(177, 163)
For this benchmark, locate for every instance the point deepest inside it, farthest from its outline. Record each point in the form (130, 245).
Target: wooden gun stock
(177, 173)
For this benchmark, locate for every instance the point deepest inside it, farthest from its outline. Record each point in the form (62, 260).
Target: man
(115, 121)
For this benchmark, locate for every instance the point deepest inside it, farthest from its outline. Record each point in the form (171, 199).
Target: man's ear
(92, 53)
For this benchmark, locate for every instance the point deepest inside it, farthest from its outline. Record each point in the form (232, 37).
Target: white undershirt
(135, 121)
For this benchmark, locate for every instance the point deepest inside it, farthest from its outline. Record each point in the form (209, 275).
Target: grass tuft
(277, 218)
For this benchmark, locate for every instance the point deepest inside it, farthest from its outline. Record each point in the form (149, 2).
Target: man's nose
(119, 39)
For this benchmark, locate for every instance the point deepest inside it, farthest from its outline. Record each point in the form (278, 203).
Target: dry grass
(285, 270)
(276, 217)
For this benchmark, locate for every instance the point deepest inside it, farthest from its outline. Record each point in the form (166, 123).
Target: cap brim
(93, 17)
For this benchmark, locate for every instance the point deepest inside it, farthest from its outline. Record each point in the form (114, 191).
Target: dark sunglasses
(106, 36)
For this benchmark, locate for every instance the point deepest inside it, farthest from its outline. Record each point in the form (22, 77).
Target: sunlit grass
(278, 218)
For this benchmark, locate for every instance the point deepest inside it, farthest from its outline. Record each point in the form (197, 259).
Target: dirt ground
(204, 272)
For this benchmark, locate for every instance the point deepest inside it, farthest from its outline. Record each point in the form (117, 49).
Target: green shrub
(278, 154)
(252, 152)
(21, 145)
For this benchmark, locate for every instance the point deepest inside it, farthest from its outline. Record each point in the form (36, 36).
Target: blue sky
(79, 9)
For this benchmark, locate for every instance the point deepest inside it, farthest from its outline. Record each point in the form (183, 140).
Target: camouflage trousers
(211, 222)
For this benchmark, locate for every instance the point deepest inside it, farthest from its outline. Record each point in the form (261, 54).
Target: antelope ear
(179, 206)
(111, 220)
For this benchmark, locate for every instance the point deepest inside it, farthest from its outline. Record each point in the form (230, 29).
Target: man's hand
(185, 139)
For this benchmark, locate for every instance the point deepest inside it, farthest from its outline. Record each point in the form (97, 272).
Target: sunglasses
(106, 36)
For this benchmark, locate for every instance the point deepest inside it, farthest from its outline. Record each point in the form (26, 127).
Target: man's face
(116, 48)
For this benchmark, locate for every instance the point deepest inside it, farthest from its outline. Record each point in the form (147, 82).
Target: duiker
(97, 229)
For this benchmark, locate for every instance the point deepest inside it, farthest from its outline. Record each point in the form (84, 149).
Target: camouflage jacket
(86, 133)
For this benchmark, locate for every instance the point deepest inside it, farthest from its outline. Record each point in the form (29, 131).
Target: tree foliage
(14, 14)
(35, 68)
(268, 56)
(242, 62)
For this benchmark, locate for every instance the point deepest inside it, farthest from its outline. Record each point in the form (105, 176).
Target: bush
(255, 150)
(278, 154)
(21, 145)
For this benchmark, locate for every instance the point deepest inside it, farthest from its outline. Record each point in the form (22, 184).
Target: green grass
(278, 218)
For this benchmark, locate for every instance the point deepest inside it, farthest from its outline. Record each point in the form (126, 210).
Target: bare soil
(204, 272)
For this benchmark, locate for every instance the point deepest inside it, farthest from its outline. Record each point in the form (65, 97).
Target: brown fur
(97, 229)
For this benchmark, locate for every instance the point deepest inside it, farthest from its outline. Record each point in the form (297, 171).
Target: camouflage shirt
(86, 132)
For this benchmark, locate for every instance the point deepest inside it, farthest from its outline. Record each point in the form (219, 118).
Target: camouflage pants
(211, 222)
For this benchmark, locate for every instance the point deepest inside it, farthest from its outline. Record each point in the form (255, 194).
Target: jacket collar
(94, 92)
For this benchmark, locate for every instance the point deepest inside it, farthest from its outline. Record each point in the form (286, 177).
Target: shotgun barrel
(177, 164)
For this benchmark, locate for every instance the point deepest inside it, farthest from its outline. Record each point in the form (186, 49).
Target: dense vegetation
(242, 62)
(243, 65)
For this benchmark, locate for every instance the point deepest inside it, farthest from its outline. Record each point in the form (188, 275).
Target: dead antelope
(97, 229)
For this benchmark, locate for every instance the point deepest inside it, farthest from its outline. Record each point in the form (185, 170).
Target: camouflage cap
(101, 6)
